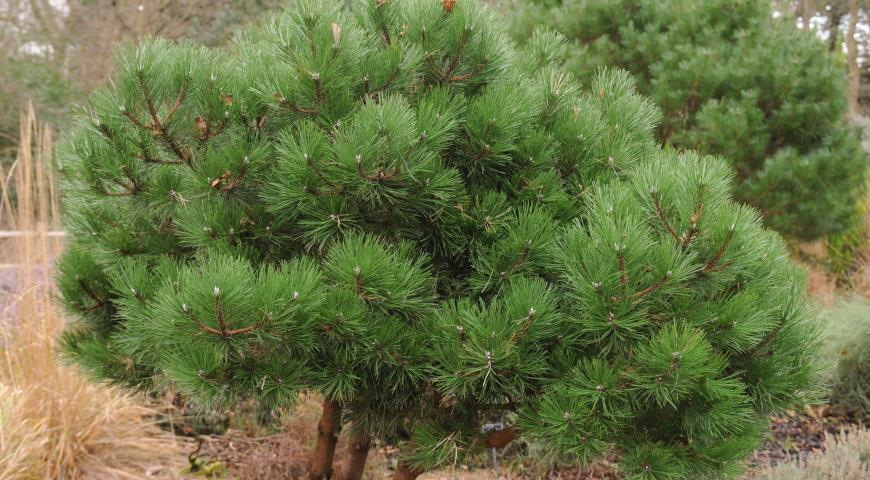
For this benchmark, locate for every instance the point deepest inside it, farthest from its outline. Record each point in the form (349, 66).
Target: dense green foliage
(733, 81)
(394, 207)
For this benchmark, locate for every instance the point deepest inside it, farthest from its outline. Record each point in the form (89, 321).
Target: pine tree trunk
(406, 472)
(852, 59)
(359, 453)
(327, 437)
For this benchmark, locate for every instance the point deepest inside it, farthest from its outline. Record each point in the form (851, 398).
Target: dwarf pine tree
(734, 81)
(446, 238)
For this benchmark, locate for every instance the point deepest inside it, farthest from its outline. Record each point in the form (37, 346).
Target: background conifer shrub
(395, 208)
(733, 81)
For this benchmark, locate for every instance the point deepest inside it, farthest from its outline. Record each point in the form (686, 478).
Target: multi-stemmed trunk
(327, 436)
(360, 443)
(328, 429)
(406, 472)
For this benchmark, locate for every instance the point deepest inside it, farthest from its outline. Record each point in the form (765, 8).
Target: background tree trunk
(806, 13)
(852, 60)
(834, 31)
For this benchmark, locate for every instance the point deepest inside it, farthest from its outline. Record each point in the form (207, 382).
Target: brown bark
(327, 436)
(360, 444)
(406, 472)
(852, 59)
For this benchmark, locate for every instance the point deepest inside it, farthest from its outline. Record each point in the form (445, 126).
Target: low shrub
(846, 353)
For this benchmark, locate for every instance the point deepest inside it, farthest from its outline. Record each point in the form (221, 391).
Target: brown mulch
(247, 454)
(284, 457)
(243, 456)
(236, 447)
(239, 456)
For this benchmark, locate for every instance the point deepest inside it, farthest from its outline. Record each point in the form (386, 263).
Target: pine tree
(445, 237)
(734, 81)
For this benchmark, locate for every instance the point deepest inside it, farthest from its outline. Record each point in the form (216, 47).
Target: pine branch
(98, 301)
(318, 89)
(293, 107)
(313, 166)
(317, 193)
(524, 256)
(771, 336)
(379, 176)
(156, 127)
(467, 76)
(179, 99)
(227, 183)
(489, 367)
(143, 155)
(394, 75)
(149, 102)
(385, 32)
(623, 275)
(457, 54)
(133, 119)
(219, 311)
(638, 296)
(527, 324)
(482, 154)
(128, 191)
(692, 231)
(226, 333)
(222, 330)
(204, 127)
(713, 264)
(661, 216)
(358, 287)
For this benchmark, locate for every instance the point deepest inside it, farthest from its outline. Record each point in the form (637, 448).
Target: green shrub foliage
(847, 356)
(733, 81)
(395, 208)
(849, 390)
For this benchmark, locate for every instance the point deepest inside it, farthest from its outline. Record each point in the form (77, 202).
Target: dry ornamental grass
(54, 424)
(846, 457)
